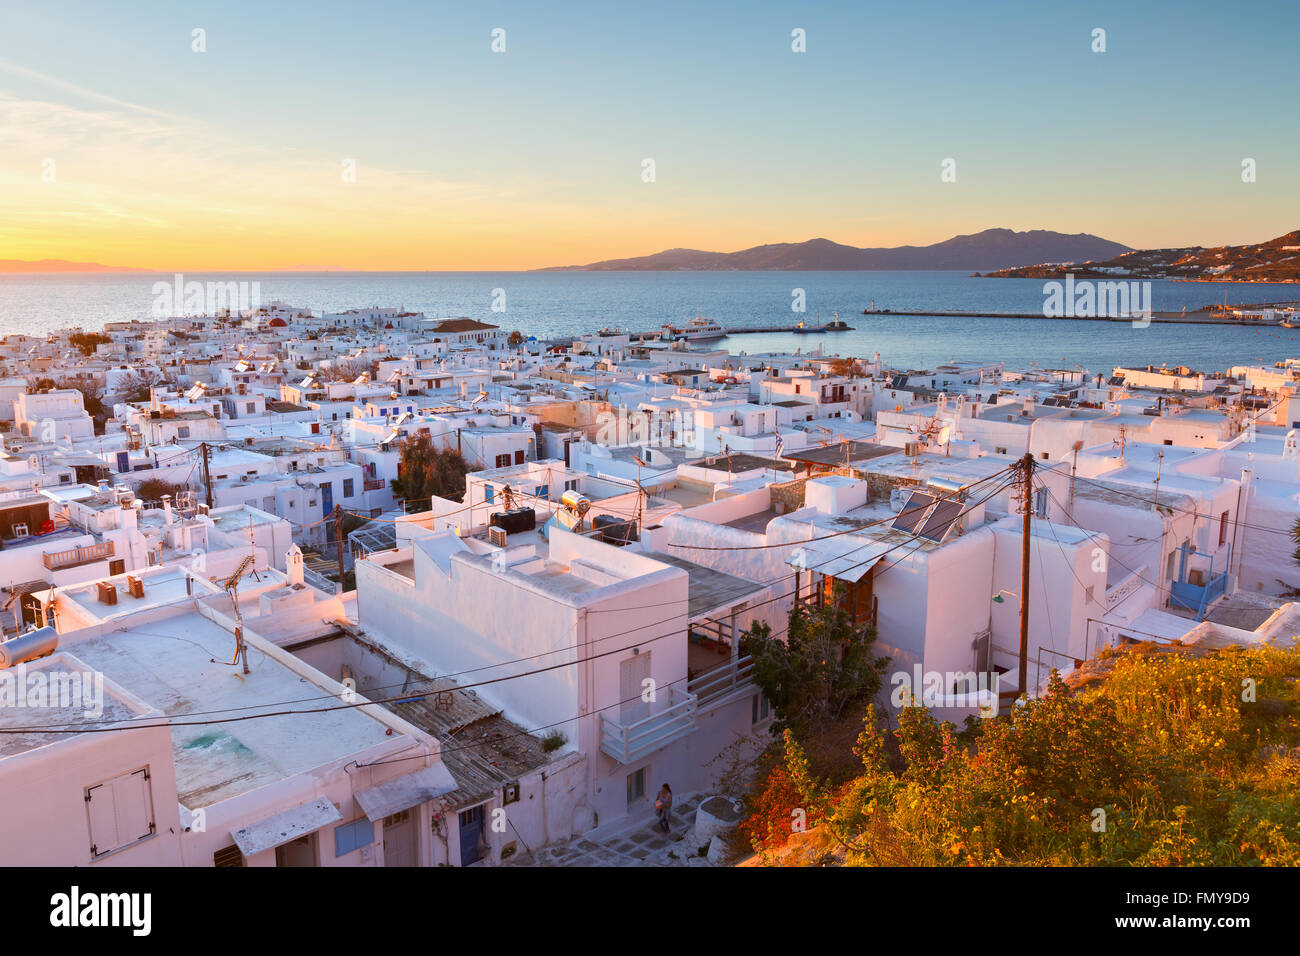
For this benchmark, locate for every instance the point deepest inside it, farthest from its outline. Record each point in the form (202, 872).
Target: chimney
(167, 508)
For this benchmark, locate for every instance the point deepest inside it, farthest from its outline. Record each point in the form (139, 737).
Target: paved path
(639, 843)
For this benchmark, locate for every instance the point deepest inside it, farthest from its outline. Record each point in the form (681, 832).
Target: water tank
(515, 520)
(576, 501)
(614, 530)
(28, 647)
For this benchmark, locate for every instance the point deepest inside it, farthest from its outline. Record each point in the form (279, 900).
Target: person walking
(664, 806)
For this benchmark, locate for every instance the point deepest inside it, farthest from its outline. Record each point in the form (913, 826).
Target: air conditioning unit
(497, 536)
(912, 448)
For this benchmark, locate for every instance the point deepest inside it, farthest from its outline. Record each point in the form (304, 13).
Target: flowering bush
(1171, 759)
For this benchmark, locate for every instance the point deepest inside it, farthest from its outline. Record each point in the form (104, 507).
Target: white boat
(697, 329)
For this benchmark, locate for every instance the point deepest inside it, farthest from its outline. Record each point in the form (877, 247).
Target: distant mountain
(60, 265)
(1277, 260)
(990, 249)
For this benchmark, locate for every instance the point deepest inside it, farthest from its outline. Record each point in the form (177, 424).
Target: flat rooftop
(70, 712)
(708, 589)
(178, 665)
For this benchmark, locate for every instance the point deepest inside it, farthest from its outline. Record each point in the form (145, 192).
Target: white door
(631, 677)
(399, 839)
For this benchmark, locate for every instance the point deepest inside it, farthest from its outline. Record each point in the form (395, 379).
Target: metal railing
(720, 685)
(629, 742)
(319, 581)
(57, 560)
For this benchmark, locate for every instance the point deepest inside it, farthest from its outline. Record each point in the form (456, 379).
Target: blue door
(471, 826)
(326, 499)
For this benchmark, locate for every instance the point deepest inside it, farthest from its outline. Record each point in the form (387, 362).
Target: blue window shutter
(489, 493)
(353, 836)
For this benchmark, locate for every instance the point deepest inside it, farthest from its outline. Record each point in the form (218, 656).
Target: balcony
(1197, 588)
(58, 560)
(723, 684)
(374, 484)
(629, 742)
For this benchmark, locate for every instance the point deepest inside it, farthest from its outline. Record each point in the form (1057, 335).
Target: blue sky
(532, 157)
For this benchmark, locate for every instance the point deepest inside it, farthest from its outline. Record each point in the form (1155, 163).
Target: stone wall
(788, 496)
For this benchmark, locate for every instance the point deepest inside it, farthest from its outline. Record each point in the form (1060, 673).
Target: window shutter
(103, 819)
(120, 812)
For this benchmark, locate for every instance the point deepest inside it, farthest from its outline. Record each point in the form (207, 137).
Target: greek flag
(780, 444)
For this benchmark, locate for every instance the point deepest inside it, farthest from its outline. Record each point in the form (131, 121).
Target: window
(120, 812)
(353, 836)
(252, 407)
(999, 451)
(348, 487)
(183, 431)
(1043, 456)
(1170, 441)
(760, 709)
(503, 461)
(1223, 528)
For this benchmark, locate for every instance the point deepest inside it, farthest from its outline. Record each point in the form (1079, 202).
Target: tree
(347, 370)
(87, 342)
(134, 387)
(825, 664)
(92, 398)
(516, 339)
(152, 489)
(425, 471)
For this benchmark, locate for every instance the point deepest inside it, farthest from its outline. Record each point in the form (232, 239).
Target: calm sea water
(568, 303)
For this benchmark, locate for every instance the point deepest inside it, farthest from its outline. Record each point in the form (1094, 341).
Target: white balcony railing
(723, 684)
(629, 742)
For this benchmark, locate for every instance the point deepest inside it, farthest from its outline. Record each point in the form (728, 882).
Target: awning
(406, 791)
(849, 561)
(285, 826)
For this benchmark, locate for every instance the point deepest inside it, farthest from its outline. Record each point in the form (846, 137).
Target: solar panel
(912, 512)
(940, 520)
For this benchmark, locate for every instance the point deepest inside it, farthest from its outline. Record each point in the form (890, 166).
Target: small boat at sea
(803, 328)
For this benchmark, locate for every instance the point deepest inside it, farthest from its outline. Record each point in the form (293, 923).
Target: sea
(563, 304)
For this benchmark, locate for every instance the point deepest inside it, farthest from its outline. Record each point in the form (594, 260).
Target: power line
(83, 728)
(836, 534)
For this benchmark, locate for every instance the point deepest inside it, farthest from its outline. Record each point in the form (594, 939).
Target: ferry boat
(697, 329)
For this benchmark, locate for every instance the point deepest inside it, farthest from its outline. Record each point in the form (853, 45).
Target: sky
(391, 135)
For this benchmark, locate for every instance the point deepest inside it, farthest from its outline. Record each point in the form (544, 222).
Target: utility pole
(207, 475)
(1159, 463)
(338, 542)
(1027, 504)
